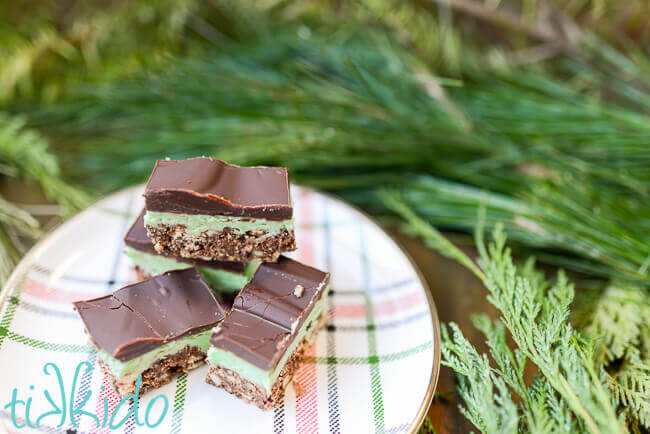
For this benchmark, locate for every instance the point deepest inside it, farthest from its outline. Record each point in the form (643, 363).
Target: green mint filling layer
(154, 264)
(141, 363)
(252, 373)
(196, 224)
(218, 280)
(227, 281)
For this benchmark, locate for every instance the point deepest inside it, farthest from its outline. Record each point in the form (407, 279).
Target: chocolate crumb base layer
(160, 373)
(226, 245)
(250, 392)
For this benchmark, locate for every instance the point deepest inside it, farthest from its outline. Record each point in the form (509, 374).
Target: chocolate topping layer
(271, 294)
(140, 317)
(269, 311)
(251, 338)
(137, 238)
(212, 187)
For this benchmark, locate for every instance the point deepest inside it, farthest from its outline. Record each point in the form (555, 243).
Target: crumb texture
(243, 389)
(226, 245)
(160, 373)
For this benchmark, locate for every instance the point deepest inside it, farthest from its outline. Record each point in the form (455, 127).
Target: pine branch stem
(502, 18)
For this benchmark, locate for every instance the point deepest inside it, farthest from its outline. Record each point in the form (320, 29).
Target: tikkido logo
(62, 406)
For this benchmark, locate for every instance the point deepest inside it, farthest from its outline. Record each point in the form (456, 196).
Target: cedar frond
(630, 386)
(536, 316)
(488, 403)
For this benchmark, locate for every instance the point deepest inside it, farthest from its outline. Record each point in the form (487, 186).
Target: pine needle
(25, 154)
(348, 112)
(15, 224)
(556, 152)
(432, 237)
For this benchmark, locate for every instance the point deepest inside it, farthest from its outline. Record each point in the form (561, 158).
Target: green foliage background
(528, 117)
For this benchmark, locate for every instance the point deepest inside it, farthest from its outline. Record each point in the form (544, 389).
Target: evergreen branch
(564, 171)
(630, 387)
(427, 427)
(618, 321)
(568, 176)
(45, 55)
(27, 153)
(538, 323)
(432, 237)
(541, 31)
(14, 224)
(488, 404)
(8, 256)
(510, 367)
(18, 219)
(552, 215)
(537, 318)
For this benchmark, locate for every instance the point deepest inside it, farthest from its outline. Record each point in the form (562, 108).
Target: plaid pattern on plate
(369, 370)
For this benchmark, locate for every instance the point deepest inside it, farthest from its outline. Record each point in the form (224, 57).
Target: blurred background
(533, 114)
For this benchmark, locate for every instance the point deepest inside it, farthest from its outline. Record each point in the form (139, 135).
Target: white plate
(373, 370)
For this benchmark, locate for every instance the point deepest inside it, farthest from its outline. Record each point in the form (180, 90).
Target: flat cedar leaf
(535, 313)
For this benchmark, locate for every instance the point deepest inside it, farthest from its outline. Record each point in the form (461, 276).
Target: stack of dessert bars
(214, 286)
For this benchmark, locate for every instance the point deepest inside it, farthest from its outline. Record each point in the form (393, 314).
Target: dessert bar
(154, 328)
(207, 209)
(256, 350)
(221, 276)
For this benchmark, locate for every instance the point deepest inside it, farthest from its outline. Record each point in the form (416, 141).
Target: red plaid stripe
(51, 294)
(382, 308)
(111, 397)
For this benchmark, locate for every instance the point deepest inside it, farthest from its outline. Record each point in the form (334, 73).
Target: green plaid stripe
(373, 360)
(5, 322)
(43, 345)
(12, 305)
(5, 333)
(179, 403)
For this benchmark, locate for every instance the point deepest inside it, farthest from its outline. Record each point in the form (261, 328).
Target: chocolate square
(269, 311)
(140, 317)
